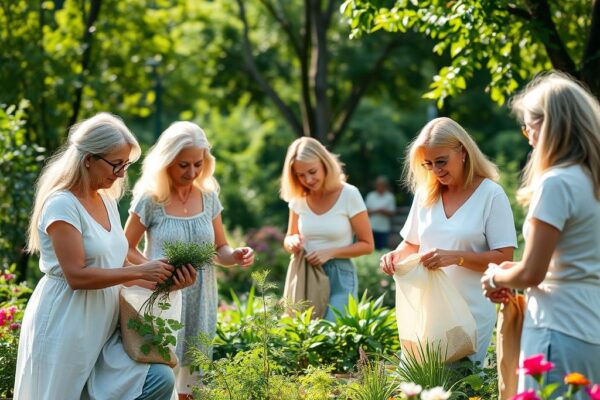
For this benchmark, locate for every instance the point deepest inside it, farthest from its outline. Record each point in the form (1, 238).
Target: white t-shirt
(378, 201)
(332, 229)
(568, 300)
(484, 222)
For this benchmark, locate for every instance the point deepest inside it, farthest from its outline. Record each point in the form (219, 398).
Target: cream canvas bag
(429, 309)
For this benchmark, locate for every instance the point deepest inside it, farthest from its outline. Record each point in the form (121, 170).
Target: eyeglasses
(439, 164)
(117, 168)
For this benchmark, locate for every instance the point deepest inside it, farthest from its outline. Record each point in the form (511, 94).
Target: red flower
(527, 395)
(594, 392)
(535, 365)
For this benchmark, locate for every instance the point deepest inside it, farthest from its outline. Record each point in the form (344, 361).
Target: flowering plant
(13, 297)
(412, 391)
(535, 366)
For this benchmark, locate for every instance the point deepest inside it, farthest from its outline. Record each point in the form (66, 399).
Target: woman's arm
(363, 245)
(438, 258)
(134, 230)
(531, 270)
(68, 246)
(293, 242)
(226, 256)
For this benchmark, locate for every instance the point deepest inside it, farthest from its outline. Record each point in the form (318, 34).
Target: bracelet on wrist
(491, 282)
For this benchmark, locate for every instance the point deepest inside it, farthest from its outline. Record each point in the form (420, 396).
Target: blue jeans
(159, 383)
(343, 281)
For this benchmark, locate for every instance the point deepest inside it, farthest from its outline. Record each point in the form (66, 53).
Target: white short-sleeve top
(568, 300)
(102, 248)
(331, 229)
(484, 222)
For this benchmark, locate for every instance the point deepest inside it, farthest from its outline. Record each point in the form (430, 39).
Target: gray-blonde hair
(444, 132)
(155, 180)
(65, 170)
(306, 149)
(569, 133)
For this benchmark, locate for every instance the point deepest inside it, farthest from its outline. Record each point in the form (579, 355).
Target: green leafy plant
(426, 368)
(160, 332)
(374, 381)
(254, 373)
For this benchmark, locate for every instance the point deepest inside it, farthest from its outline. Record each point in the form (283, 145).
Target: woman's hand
(156, 271)
(496, 294)
(184, 277)
(388, 261)
(319, 257)
(243, 256)
(293, 243)
(438, 258)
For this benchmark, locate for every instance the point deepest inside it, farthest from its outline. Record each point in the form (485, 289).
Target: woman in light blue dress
(176, 199)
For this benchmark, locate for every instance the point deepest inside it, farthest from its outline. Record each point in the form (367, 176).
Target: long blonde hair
(65, 170)
(444, 132)
(569, 132)
(155, 180)
(306, 149)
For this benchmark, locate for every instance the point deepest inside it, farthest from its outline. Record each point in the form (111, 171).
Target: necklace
(184, 199)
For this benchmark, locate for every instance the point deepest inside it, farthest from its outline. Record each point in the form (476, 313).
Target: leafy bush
(301, 342)
(20, 163)
(267, 243)
(373, 280)
(254, 373)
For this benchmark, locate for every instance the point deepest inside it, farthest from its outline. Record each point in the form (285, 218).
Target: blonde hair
(444, 132)
(306, 149)
(569, 132)
(155, 180)
(65, 170)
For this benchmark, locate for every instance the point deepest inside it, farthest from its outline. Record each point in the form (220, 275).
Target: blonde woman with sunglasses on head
(560, 268)
(460, 219)
(69, 346)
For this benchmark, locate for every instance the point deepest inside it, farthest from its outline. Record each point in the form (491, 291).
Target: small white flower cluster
(412, 390)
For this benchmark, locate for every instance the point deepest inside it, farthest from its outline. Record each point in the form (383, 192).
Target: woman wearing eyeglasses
(176, 199)
(69, 346)
(460, 219)
(560, 268)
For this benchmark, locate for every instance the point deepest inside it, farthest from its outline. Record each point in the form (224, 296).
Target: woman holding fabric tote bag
(460, 219)
(560, 268)
(325, 214)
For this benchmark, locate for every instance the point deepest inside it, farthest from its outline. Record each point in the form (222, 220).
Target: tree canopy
(510, 39)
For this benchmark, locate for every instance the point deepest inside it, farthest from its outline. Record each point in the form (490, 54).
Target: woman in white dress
(69, 326)
(460, 219)
(325, 214)
(560, 268)
(176, 199)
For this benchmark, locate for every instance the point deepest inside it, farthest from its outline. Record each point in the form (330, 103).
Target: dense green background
(255, 74)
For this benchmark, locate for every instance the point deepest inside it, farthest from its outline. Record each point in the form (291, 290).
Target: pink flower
(527, 395)
(594, 391)
(14, 327)
(535, 365)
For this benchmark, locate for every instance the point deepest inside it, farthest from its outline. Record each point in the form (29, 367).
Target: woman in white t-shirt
(69, 346)
(325, 214)
(560, 267)
(460, 219)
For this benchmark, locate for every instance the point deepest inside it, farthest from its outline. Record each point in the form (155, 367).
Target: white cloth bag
(430, 310)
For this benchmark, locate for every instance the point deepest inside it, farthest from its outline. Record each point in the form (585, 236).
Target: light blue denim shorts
(343, 281)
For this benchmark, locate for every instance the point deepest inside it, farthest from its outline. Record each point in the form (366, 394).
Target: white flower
(410, 389)
(437, 393)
